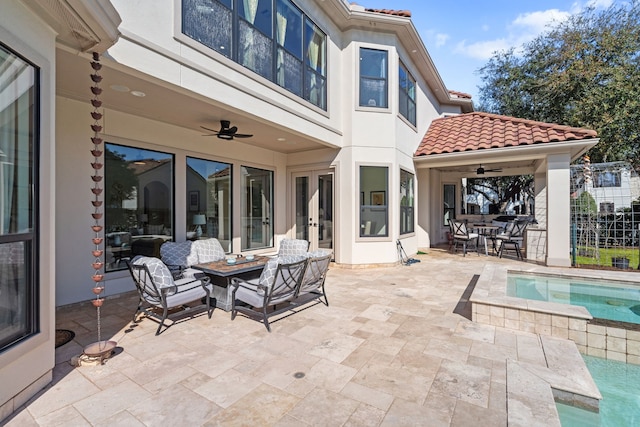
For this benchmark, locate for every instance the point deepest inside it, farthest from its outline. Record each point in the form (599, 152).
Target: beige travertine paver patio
(396, 347)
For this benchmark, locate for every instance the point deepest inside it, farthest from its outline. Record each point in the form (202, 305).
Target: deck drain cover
(299, 375)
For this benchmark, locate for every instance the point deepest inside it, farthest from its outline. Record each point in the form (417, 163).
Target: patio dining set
(499, 237)
(190, 276)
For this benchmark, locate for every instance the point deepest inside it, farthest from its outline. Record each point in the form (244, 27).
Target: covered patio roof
(496, 140)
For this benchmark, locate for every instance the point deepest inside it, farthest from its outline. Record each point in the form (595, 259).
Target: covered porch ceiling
(170, 104)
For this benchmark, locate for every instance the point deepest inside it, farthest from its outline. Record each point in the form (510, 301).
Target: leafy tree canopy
(583, 72)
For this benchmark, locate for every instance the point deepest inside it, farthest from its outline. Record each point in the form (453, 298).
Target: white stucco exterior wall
(26, 367)
(558, 213)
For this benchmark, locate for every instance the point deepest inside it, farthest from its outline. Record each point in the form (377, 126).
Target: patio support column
(558, 210)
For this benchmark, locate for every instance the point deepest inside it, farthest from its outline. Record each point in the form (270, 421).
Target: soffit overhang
(82, 25)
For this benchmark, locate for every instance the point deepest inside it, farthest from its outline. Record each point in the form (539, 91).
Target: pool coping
(595, 337)
(568, 380)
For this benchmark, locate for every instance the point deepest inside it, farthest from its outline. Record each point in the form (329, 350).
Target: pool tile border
(607, 339)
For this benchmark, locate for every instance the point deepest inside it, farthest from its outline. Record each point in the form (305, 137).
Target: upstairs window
(272, 38)
(407, 95)
(373, 78)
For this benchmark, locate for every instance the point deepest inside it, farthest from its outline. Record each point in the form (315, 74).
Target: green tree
(583, 72)
(586, 204)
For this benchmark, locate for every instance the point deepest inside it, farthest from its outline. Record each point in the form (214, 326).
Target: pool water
(605, 300)
(619, 384)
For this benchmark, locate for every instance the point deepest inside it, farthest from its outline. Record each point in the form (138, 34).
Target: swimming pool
(619, 384)
(610, 300)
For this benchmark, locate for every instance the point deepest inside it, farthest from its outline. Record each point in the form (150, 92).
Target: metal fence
(605, 215)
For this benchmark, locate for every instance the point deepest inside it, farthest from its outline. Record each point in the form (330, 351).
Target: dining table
(487, 232)
(221, 272)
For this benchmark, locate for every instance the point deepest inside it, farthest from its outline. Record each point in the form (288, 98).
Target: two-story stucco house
(245, 120)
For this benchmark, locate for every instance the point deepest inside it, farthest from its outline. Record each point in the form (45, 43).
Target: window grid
(407, 95)
(272, 38)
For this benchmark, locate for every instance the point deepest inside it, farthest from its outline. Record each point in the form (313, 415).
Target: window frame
(187, 33)
(367, 192)
(368, 105)
(138, 218)
(404, 93)
(446, 210)
(244, 195)
(409, 208)
(27, 259)
(203, 199)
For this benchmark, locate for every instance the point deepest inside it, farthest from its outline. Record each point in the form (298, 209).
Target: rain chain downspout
(99, 349)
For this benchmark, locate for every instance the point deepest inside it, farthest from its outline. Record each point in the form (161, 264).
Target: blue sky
(462, 35)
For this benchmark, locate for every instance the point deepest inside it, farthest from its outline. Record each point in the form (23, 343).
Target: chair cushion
(290, 247)
(177, 253)
(208, 250)
(157, 269)
(269, 272)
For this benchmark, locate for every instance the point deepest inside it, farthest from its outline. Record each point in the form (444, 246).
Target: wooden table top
(224, 269)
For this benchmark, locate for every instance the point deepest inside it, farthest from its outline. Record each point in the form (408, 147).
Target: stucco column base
(558, 262)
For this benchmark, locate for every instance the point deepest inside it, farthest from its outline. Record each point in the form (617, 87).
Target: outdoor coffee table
(221, 273)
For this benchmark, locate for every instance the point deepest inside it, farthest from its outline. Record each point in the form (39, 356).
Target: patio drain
(299, 375)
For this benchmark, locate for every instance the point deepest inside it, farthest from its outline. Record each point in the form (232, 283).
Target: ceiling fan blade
(210, 130)
(242, 135)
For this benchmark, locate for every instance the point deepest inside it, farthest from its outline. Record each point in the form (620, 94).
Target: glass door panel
(313, 208)
(256, 220)
(302, 207)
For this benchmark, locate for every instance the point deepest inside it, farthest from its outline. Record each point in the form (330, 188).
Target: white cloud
(482, 50)
(535, 23)
(485, 27)
(600, 4)
(441, 39)
(524, 28)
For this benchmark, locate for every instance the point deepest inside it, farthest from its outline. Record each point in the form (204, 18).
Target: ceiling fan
(481, 170)
(227, 131)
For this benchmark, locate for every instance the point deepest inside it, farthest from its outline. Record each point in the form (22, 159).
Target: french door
(313, 208)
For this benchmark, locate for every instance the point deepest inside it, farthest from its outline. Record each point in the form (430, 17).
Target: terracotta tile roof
(478, 131)
(460, 94)
(404, 13)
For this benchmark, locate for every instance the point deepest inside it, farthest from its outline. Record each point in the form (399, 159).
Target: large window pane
(291, 53)
(316, 63)
(18, 189)
(407, 95)
(373, 201)
(373, 78)
(209, 195)
(208, 22)
(257, 208)
(289, 27)
(257, 13)
(406, 202)
(449, 197)
(255, 50)
(138, 203)
(289, 71)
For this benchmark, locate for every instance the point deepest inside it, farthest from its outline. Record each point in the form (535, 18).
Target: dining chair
(462, 234)
(513, 236)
